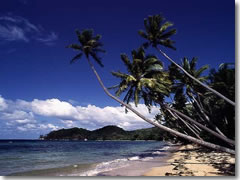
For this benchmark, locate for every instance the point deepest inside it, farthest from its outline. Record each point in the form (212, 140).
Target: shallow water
(61, 158)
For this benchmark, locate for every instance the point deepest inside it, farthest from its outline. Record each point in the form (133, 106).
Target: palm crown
(90, 45)
(190, 67)
(145, 73)
(156, 32)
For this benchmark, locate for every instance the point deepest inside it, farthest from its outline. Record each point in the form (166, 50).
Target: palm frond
(151, 60)
(168, 34)
(119, 74)
(143, 34)
(123, 86)
(78, 56)
(200, 71)
(146, 45)
(165, 26)
(186, 65)
(128, 96)
(97, 37)
(146, 25)
(193, 63)
(75, 47)
(113, 87)
(88, 34)
(154, 68)
(167, 43)
(96, 58)
(126, 62)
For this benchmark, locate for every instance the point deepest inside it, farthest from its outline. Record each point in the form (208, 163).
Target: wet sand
(188, 160)
(191, 160)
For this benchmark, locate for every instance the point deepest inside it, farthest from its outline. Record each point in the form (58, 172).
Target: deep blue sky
(39, 68)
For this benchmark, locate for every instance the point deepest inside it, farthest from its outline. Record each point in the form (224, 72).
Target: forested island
(105, 133)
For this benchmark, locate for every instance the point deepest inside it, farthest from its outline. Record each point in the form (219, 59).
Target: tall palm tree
(221, 113)
(156, 34)
(147, 80)
(145, 73)
(194, 89)
(90, 46)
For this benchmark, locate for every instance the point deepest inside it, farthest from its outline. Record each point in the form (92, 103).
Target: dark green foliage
(197, 102)
(182, 80)
(73, 133)
(106, 133)
(90, 45)
(156, 32)
(221, 113)
(145, 74)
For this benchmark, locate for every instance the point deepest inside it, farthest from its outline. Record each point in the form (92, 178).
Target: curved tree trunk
(186, 124)
(206, 116)
(193, 78)
(200, 125)
(189, 138)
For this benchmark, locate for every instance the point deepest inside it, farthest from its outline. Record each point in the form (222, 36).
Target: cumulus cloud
(17, 115)
(91, 115)
(53, 107)
(24, 114)
(48, 126)
(34, 127)
(16, 28)
(3, 104)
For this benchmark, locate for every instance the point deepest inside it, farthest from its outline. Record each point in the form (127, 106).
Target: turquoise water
(61, 158)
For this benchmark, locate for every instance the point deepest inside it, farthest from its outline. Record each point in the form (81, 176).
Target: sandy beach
(191, 160)
(187, 160)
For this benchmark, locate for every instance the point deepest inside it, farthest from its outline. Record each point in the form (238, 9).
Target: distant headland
(105, 133)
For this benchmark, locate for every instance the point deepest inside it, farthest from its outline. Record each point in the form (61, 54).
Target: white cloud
(48, 126)
(53, 107)
(23, 114)
(27, 127)
(36, 127)
(21, 128)
(68, 123)
(49, 39)
(3, 104)
(12, 33)
(17, 115)
(91, 115)
(16, 28)
(24, 121)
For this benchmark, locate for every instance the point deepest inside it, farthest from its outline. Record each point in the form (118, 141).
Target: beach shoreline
(192, 160)
(168, 160)
(184, 160)
(140, 166)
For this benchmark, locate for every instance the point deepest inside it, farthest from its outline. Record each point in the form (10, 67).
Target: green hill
(105, 133)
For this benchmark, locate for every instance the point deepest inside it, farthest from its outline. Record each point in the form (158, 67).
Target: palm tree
(147, 80)
(193, 88)
(145, 73)
(156, 34)
(90, 46)
(221, 113)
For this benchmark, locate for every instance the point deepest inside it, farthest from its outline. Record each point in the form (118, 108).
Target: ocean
(73, 158)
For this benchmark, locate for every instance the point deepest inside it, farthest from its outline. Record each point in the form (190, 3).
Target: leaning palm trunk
(206, 116)
(200, 125)
(193, 78)
(186, 124)
(189, 138)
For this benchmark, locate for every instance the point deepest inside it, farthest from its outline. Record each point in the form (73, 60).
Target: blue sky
(37, 80)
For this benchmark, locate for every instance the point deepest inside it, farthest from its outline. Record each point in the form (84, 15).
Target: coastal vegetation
(105, 133)
(193, 105)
